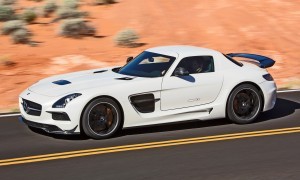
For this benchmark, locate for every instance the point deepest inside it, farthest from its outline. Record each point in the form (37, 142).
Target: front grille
(32, 108)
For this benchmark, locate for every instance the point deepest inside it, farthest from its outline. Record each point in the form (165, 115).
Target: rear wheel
(101, 118)
(244, 104)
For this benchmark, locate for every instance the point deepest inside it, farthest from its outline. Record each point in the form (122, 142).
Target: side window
(198, 64)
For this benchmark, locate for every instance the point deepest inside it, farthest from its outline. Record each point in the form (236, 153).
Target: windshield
(148, 64)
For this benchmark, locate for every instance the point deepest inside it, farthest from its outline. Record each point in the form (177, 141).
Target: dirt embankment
(269, 27)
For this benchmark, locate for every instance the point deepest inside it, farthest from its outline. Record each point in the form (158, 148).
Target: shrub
(11, 26)
(76, 28)
(21, 36)
(99, 2)
(65, 13)
(29, 15)
(7, 2)
(9, 63)
(6, 13)
(127, 37)
(49, 8)
(72, 4)
(6, 61)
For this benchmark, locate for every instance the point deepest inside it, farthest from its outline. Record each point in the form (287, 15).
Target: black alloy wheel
(102, 118)
(244, 104)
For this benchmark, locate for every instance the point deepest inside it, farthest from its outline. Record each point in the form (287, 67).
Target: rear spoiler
(263, 61)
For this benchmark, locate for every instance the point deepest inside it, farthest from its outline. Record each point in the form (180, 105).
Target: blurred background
(40, 38)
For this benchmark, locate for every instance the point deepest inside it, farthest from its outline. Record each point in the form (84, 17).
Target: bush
(6, 13)
(76, 28)
(21, 36)
(65, 13)
(28, 15)
(99, 2)
(7, 2)
(49, 8)
(6, 61)
(11, 26)
(72, 4)
(127, 37)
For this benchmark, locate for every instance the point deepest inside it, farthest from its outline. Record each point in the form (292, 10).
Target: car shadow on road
(192, 124)
(282, 108)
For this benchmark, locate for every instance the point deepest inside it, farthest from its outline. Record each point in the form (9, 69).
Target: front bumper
(49, 119)
(47, 127)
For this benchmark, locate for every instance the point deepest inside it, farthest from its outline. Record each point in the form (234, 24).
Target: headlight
(65, 100)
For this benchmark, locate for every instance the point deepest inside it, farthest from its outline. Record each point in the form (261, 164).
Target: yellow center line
(88, 152)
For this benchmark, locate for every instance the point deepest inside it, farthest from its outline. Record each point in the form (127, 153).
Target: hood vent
(101, 71)
(61, 82)
(124, 78)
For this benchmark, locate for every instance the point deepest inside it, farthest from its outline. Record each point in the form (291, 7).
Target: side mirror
(180, 71)
(129, 59)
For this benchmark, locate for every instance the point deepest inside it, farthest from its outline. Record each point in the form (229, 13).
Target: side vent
(144, 103)
(101, 71)
(61, 82)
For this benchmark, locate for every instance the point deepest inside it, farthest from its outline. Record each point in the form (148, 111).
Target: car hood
(75, 82)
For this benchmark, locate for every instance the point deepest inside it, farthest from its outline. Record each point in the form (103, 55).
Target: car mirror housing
(180, 71)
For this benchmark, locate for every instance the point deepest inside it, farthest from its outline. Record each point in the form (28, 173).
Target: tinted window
(198, 64)
(148, 64)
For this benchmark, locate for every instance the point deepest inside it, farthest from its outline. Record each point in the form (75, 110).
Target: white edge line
(292, 90)
(281, 91)
(10, 115)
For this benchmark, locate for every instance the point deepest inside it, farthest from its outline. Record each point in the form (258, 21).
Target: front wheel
(102, 118)
(244, 104)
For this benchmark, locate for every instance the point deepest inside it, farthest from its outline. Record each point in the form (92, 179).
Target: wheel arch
(102, 96)
(247, 82)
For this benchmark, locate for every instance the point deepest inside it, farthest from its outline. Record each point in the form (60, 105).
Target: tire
(102, 118)
(244, 104)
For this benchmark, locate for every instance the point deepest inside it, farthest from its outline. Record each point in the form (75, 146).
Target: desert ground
(269, 27)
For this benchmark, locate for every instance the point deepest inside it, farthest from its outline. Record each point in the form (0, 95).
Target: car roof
(182, 50)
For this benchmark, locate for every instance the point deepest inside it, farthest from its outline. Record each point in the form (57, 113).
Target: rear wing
(263, 61)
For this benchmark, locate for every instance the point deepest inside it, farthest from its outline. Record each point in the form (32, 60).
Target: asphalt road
(262, 157)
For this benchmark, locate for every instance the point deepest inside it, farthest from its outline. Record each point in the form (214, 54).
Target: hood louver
(61, 82)
(124, 78)
(101, 71)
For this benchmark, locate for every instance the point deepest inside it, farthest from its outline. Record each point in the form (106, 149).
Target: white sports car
(160, 85)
